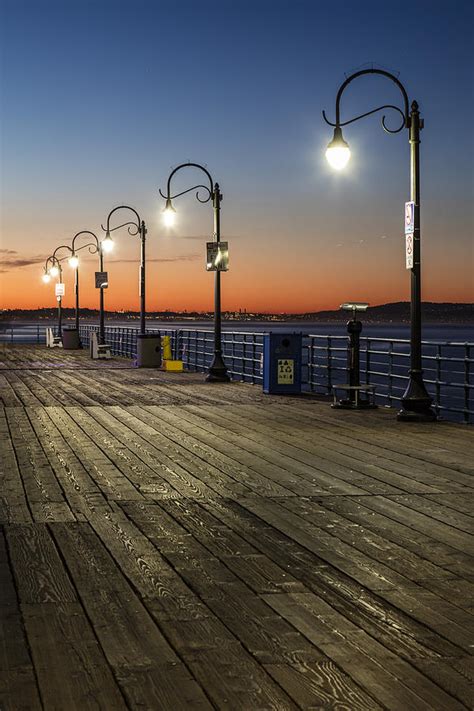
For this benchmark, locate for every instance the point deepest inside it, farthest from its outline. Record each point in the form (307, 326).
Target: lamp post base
(416, 403)
(217, 371)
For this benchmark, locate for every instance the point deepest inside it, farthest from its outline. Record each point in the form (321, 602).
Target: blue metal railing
(448, 367)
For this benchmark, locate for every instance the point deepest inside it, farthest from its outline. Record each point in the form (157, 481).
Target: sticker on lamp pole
(409, 217)
(60, 289)
(101, 280)
(217, 256)
(409, 251)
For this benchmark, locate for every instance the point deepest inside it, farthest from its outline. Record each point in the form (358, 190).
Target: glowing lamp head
(54, 271)
(337, 152)
(46, 278)
(73, 261)
(107, 243)
(169, 213)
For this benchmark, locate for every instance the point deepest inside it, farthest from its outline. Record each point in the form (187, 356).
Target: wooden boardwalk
(171, 544)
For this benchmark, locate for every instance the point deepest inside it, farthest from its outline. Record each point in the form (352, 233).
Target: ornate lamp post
(96, 247)
(52, 271)
(217, 370)
(416, 403)
(134, 228)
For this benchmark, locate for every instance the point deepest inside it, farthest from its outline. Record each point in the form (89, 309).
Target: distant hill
(398, 312)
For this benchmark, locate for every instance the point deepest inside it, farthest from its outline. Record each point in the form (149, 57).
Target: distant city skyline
(104, 98)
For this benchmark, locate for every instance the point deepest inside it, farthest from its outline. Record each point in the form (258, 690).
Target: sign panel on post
(409, 217)
(409, 251)
(217, 256)
(60, 289)
(101, 280)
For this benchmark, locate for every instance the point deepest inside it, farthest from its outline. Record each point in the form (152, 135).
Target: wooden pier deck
(171, 544)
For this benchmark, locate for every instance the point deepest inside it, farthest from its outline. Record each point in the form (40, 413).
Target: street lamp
(217, 370)
(96, 247)
(416, 403)
(134, 228)
(53, 271)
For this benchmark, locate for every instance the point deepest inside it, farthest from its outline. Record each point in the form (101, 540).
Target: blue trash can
(282, 363)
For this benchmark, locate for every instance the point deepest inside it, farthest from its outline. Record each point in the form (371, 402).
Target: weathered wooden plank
(69, 663)
(18, 688)
(393, 682)
(168, 686)
(420, 522)
(439, 512)
(39, 482)
(82, 493)
(328, 441)
(108, 478)
(39, 571)
(243, 684)
(321, 685)
(403, 441)
(191, 440)
(300, 478)
(140, 561)
(411, 566)
(392, 627)
(13, 504)
(358, 510)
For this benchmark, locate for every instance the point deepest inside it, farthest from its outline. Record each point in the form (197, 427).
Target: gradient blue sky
(100, 99)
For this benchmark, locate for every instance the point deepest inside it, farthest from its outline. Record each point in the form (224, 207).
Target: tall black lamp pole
(416, 403)
(134, 228)
(96, 247)
(53, 270)
(217, 370)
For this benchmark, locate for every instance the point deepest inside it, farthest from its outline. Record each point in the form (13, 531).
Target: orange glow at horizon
(186, 286)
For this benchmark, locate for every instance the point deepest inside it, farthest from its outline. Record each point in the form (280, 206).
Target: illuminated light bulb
(107, 243)
(73, 261)
(46, 278)
(169, 214)
(338, 152)
(54, 271)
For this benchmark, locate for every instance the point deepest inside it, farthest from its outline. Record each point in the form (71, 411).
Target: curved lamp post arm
(55, 262)
(62, 246)
(217, 369)
(134, 228)
(168, 197)
(91, 234)
(405, 113)
(137, 225)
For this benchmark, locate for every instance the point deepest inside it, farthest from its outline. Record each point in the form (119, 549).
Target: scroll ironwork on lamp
(416, 402)
(217, 371)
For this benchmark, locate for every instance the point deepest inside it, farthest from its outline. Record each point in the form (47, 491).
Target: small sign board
(60, 289)
(217, 256)
(101, 280)
(409, 217)
(286, 371)
(409, 251)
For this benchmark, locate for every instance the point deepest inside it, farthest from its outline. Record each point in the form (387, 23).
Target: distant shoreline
(397, 313)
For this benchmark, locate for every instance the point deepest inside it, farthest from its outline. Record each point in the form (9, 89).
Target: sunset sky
(100, 100)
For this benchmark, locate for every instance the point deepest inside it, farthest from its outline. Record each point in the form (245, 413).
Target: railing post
(467, 389)
(437, 402)
(329, 363)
